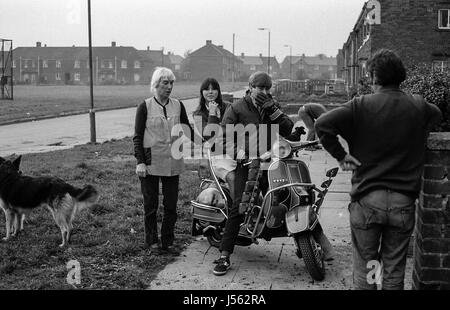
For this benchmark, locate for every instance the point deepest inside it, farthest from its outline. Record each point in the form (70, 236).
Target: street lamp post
(290, 60)
(268, 58)
(91, 82)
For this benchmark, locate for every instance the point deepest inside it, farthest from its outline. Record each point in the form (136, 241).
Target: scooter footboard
(207, 213)
(299, 219)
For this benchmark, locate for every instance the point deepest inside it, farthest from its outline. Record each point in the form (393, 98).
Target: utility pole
(268, 58)
(91, 82)
(233, 72)
(162, 56)
(290, 60)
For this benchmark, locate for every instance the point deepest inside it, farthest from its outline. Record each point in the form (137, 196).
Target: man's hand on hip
(349, 163)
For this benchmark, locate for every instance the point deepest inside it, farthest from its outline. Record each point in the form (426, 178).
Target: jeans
(381, 225)
(235, 219)
(150, 191)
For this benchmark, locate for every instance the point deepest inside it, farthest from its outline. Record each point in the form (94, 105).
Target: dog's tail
(87, 194)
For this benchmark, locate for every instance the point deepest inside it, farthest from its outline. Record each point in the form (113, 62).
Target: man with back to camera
(386, 134)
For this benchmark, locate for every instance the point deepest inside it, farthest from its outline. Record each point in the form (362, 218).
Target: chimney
(45, 45)
(208, 42)
(113, 43)
(38, 44)
(220, 46)
(260, 55)
(303, 55)
(148, 48)
(242, 55)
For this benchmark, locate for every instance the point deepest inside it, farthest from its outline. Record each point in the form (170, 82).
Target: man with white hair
(155, 118)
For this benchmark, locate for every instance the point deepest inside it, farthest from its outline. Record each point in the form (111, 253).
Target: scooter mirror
(326, 183)
(332, 172)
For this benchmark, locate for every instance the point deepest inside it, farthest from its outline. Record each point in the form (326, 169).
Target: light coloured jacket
(157, 137)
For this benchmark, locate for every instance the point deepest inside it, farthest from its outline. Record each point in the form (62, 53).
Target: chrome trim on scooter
(208, 152)
(208, 208)
(270, 207)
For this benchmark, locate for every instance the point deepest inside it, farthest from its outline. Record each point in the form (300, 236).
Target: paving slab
(273, 265)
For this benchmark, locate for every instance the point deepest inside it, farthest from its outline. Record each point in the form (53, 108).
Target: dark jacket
(386, 132)
(245, 113)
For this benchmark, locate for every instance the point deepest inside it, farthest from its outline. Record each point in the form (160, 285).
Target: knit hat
(260, 79)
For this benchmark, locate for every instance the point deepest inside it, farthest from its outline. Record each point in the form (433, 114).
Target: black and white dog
(20, 194)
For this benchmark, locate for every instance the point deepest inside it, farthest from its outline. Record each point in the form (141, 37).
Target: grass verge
(107, 238)
(34, 102)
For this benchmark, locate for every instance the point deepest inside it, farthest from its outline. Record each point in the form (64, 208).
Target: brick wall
(410, 27)
(432, 232)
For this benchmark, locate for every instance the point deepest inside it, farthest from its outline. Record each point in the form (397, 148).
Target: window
(253, 67)
(137, 64)
(14, 64)
(44, 63)
(137, 77)
(316, 68)
(76, 64)
(123, 64)
(330, 68)
(110, 64)
(440, 65)
(76, 76)
(25, 63)
(177, 67)
(444, 19)
(58, 64)
(87, 64)
(58, 76)
(32, 63)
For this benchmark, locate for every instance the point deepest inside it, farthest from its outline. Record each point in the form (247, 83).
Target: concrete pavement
(273, 265)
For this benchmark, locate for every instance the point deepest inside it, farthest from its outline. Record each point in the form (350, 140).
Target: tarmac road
(66, 132)
(273, 265)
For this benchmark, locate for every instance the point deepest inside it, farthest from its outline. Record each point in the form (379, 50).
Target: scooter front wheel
(312, 255)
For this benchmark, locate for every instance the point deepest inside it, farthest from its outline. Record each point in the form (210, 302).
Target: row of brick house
(70, 65)
(419, 31)
(309, 67)
(127, 65)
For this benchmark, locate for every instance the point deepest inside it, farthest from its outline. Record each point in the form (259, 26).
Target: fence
(310, 86)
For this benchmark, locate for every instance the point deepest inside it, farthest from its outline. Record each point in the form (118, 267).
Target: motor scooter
(288, 207)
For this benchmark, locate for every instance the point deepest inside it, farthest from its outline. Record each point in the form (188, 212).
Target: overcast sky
(309, 26)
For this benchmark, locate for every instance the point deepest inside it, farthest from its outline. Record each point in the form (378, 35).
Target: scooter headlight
(281, 149)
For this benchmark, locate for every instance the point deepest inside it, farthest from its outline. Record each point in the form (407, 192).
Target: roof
(175, 59)
(252, 60)
(314, 60)
(155, 56)
(77, 52)
(215, 49)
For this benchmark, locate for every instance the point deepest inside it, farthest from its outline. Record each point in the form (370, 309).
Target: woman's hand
(141, 170)
(213, 108)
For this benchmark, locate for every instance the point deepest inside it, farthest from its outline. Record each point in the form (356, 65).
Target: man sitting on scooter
(256, 108)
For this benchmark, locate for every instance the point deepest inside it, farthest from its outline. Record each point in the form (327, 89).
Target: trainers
(223, 265)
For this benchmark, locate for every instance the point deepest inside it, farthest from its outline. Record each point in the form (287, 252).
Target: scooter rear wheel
(312, 255)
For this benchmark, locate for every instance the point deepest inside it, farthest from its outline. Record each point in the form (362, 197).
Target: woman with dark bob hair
(210, 110)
